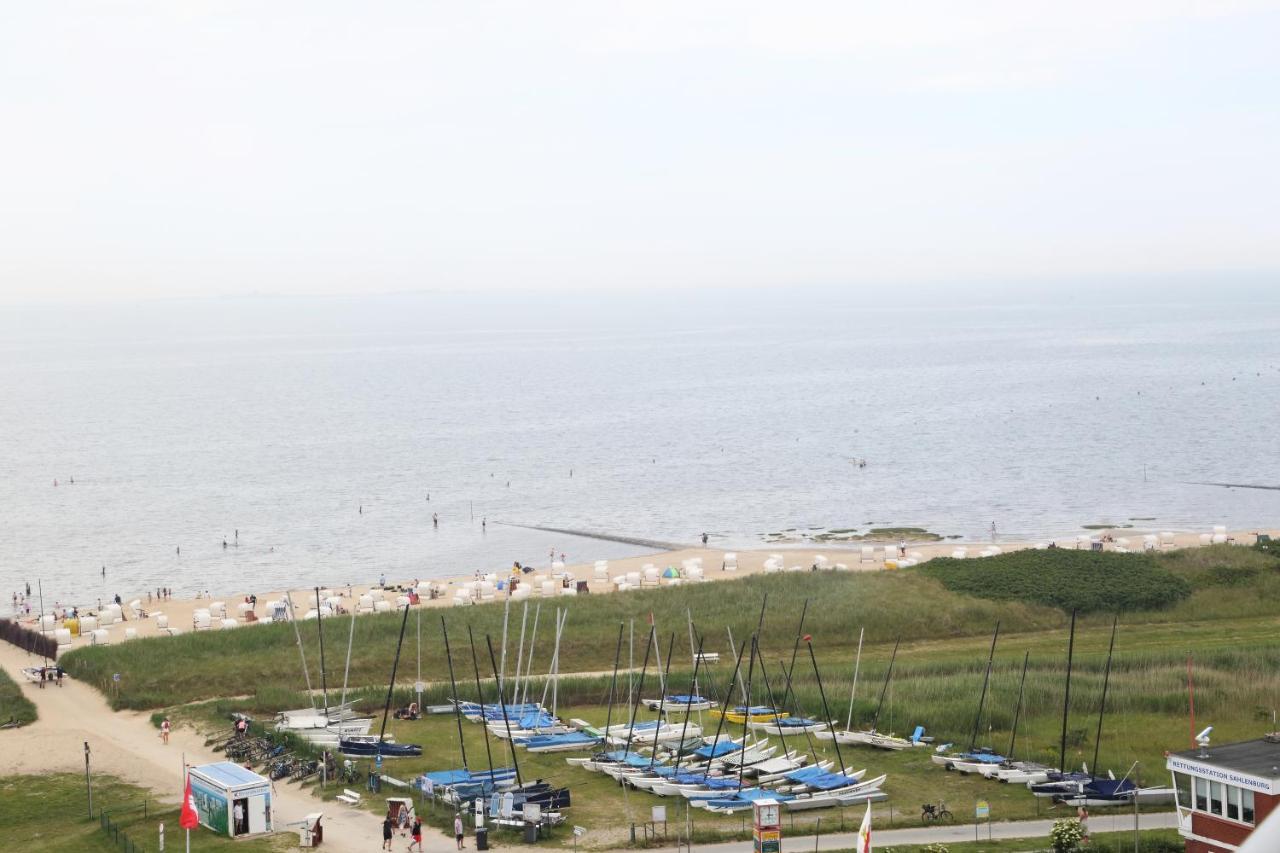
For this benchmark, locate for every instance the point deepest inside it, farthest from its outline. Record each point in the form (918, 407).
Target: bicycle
(931, 812)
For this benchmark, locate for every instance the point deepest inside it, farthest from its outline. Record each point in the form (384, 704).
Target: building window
(1182, 785)
(1233, 802)
(1202, 795)
(1246, 805)
(1215, 798)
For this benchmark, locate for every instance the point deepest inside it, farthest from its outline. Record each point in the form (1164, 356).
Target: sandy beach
(179, 613)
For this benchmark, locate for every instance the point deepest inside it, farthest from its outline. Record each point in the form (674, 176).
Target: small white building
(231, 800)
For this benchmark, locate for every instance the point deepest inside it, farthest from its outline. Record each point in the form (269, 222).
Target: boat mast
(986, 680)
(501, 673)
(515, 690)
(1017, 711)
(488, 754)
(724, 709)
(636, 703)
(324, 685)
(693, 692)
(528, 664)
(386, 709)
(511, 741)
(662, 701)
(1066, 696)
(613, 686)
(1102, 707)
(457, 703)
(306, 673)
(746, 714)
(786, 694)
(826, 712)
(857, 662)
(875, 721)
(351, 635)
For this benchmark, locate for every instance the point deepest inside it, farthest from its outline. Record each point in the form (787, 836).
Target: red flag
(188, 819)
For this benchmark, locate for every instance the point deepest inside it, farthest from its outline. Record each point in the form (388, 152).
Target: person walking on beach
(704, 540)
(164, 730)
(993, 531)
(386, 833)
(458, 831)
(435, 519)
(416, 832)
(484, 522)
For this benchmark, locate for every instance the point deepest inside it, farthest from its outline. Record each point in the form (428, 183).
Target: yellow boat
(759, 714)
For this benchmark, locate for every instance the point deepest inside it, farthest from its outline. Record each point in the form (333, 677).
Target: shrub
(1083, 580)
(1066, 835)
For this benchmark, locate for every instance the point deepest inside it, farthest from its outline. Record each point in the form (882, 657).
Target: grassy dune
(13, 705)
(940, 627)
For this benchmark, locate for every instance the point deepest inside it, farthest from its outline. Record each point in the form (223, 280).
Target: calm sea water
(184, 422)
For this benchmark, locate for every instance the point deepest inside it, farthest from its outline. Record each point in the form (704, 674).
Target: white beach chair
(229, 622)
(1206, 539)
(841, 567)
(547, 589)
(1167, 540)
(1219, 539)
(568, 590)
(201, 620)
(867, 554)
(162, 621)
(1150, 542)
(960, 553)
(382, 606)
(364, 604)
(218, 609)
(771, 566)
(694, 574)
(62, 636)
(100, 637)
(88, 624)
(633, 578)
(730, 561)
(650, 575)
(602, 570)
(1219, 530)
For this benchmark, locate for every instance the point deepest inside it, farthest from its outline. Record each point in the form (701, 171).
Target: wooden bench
(350, 797)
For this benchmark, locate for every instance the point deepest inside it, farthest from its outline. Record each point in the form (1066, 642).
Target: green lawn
(49, 813)
(13, 705)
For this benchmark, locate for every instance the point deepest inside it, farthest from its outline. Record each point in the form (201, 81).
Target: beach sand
(180, 611)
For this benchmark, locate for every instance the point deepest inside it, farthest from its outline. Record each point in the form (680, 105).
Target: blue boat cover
(724, 747)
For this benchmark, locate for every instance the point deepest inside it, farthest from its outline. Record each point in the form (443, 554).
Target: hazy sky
(183, 148)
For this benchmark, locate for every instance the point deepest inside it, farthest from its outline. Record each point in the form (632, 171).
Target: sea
(333, 440)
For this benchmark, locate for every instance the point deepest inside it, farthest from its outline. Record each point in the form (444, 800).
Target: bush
(1066, 835)
(1083, 580)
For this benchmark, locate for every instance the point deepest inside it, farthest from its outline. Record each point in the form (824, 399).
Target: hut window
(1246, 805)
(1182, 785)
(1215, 797)
(1202, 795)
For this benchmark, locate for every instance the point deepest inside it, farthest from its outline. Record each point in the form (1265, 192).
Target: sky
(291, 148)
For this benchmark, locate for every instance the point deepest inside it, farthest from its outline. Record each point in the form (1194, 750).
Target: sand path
(126, 745)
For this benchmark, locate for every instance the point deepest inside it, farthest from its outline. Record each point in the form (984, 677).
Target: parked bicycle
(931, 812)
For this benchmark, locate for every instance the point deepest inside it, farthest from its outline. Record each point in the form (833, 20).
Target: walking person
(458, 830)
(165, 728)
(386, 833)
(435, 520)
(416, 832)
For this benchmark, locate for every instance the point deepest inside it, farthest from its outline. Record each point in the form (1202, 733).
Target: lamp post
(88, 785)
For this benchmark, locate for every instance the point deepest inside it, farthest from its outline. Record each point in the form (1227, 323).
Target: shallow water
(183, 422)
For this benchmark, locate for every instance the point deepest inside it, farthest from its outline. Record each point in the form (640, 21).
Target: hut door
(258, 814)
(240, 817)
